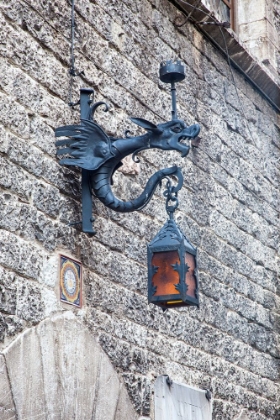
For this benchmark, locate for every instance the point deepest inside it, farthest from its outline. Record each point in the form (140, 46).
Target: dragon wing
(88, 145)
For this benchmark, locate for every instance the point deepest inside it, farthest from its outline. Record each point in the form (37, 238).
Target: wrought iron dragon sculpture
(99, 155)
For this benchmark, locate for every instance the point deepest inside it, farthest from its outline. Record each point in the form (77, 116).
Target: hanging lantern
(172, 274)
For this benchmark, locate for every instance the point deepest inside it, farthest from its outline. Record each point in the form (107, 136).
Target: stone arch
(57, 371)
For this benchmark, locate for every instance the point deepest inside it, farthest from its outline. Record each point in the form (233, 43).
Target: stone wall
(276, 11)
(229, 206)
(257, 30)
(256, 26)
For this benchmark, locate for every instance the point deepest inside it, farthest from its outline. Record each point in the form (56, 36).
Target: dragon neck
(124, 147)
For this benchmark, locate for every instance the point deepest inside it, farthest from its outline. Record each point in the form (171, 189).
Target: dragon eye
(176, 129)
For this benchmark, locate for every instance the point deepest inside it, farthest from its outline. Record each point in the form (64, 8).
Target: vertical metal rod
(174, 106)
(85, 100)
(87, 217)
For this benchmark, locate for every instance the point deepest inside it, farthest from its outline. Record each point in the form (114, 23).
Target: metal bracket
(87, 218)
(169, 381)
(73, 104)
(208, 395)
(99, 155)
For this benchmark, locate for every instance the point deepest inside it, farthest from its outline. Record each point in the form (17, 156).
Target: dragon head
(169, 135)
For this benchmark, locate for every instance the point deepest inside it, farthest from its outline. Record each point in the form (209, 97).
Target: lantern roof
(170, 237)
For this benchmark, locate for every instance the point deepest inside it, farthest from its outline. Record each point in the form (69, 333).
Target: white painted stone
(128, 413)
(7, 408)
(77, 363)
(50, 299)
(49, 271)
(24, 365)
(108, 390)
(58, 371)
(52, 380)
(178, 402)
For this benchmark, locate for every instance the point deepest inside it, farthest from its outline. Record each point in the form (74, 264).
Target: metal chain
(72, 71)
(171, 195)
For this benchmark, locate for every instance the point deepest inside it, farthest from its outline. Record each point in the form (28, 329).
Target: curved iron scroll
(86, 145)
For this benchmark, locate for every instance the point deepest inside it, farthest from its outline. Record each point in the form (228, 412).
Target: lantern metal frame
(170, 238)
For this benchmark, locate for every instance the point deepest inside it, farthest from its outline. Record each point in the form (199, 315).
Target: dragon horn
(147, 125)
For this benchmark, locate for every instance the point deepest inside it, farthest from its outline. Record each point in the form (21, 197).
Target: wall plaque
(70, 281)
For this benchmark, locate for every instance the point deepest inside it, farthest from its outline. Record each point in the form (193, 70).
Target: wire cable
(179, 25)
(209, 14)
(72, 71)
(236, 90)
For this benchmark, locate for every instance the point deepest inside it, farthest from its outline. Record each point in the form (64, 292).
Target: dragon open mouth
(194, 142)
(182, 138)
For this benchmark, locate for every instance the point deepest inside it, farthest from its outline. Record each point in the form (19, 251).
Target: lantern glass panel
(190, 278)
(166, 277)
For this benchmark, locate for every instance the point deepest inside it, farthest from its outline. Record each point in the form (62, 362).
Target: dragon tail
(102, 190)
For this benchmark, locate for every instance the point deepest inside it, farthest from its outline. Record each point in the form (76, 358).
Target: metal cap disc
(171, 71)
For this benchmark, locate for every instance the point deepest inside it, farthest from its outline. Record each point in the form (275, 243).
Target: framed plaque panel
(70, 281)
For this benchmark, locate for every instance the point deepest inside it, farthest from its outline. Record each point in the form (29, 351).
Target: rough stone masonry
(229, 205)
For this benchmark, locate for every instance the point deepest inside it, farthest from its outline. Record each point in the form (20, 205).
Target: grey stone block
(229, 208)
